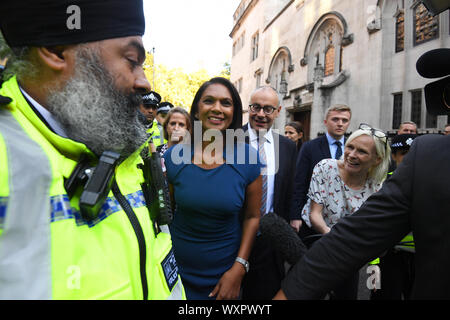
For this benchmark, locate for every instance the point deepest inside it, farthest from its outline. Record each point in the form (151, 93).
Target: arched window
(324, 48)
(426, 27)
(329, 57)
(400, 31)
(280, 67)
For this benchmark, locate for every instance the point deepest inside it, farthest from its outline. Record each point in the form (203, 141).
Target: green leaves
(176, 86)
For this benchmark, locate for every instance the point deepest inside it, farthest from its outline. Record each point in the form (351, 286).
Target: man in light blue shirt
(336, 146)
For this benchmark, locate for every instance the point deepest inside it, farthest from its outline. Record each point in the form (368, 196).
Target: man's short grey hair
(408, 122)
(268, 88)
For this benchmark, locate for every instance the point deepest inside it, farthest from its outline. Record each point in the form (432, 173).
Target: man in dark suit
(266, 267)
(330, 145)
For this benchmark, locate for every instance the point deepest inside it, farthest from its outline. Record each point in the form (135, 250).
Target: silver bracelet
(244, 263)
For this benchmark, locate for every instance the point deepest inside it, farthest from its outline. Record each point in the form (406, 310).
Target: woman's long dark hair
(237, 103)
(299, 128)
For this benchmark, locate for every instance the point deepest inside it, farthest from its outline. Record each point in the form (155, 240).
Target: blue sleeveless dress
(206, 229)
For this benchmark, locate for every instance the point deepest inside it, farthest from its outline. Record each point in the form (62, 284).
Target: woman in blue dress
(217, 196)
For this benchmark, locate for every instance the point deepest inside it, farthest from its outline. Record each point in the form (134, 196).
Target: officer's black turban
(61, 22)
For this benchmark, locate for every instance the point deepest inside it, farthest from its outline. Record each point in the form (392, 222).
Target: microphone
(434, 63)
(283, 237)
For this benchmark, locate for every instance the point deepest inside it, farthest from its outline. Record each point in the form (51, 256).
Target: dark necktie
(338, 150)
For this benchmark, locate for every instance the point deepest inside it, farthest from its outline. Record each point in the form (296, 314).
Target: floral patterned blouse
(329, 190)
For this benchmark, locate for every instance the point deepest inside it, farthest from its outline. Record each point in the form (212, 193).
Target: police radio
(155, 188)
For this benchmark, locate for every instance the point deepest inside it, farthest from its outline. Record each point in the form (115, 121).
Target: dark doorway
(304, 117)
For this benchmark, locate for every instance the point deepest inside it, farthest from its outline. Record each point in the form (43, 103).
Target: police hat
(436, 64)
(164, 107)
(151, 99)
(402, 141)
(62, 22)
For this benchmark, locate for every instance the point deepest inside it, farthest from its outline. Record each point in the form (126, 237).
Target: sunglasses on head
(375, 132)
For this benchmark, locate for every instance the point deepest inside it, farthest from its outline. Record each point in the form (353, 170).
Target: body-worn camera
(96, 182)
(98, 185)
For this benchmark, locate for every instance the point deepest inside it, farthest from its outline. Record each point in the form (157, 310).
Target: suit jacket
(266, 266)
(310, 154)
(416, 198)
(285, 151)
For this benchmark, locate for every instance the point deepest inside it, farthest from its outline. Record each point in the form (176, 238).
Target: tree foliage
(174, 85)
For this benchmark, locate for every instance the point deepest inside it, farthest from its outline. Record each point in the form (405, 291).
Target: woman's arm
(316, 218)
(229, 285)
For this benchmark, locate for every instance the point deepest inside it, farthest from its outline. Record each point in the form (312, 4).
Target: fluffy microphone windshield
(283, 237)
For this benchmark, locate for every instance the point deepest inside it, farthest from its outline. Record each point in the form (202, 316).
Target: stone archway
(279, 69)
(324, 47)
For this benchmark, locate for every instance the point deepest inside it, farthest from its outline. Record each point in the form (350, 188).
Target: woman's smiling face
(360, 155)
(215, 108)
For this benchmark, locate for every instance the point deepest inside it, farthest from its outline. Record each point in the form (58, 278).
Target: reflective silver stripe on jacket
(25, 261)
(177, 292)
(61, 209)
(3, 206)
(161, 133)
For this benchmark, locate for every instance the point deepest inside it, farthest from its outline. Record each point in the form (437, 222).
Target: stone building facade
(318, 53)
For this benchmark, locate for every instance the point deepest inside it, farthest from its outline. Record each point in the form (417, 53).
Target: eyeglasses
(256, 108)
(375, 132)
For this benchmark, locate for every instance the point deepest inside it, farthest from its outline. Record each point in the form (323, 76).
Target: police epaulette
(5, 100)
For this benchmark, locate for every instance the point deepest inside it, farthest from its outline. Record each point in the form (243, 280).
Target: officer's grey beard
(94, 112)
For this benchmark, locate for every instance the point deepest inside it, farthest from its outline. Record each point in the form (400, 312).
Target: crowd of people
(80, 129)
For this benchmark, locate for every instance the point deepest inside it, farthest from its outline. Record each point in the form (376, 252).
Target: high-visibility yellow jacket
(47, 250)
(156, 133)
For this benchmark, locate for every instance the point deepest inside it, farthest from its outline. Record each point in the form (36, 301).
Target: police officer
(161, 113)
(150, 103)
(69, 132)
(149, 107)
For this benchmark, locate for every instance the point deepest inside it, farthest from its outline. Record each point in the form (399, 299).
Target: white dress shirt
(51, 121)
(269, 148)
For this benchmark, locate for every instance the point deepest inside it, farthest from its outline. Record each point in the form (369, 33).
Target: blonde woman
(340, 186)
